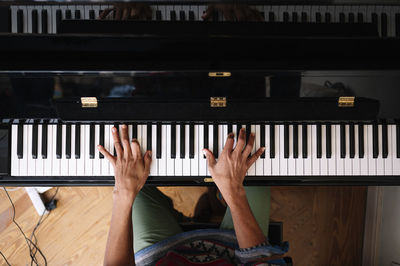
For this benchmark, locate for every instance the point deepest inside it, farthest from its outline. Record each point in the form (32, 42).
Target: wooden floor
(324, 225)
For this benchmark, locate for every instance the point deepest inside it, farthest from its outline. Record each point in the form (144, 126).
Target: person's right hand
(229, 171)
(125, 11)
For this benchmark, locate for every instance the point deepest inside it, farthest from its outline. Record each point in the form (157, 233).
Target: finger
(118, 14)
(125, 14)
(229, 14)
(249, 146)
(105, 13)
(117, 143)
(208, 13)
(125, 141)
(241, 141)
(210, 158)
(147, 162)
(229, 143)
(255, 156)
(135, 146)
(106, 154)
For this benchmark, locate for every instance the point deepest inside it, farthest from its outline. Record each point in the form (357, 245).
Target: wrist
(124, 197)
(235, 196)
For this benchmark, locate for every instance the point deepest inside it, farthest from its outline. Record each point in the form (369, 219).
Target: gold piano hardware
(346, 101)
(208, 180)
(218, 101)
(219, 74)
(89, 102)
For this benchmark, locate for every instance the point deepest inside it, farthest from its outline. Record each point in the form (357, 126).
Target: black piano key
(59, 141)
(342, 141)
(205, 139)
(77, 14)
(360, 18)
(68, 141)
(44, 21)
(215, 140)
(92, 14)
(398, 141)
(182, 15)
(318, 17)
(34, 140)
(191, 16)
(271, 17)
(77, 141)
(272, 141)
(101, 156)
(191, 141)
(351, 18)
(68, 14)
(304, 136)
(172, 15)
(149, 132)
(385, 148)
(319, 141)
(397, 22)
(238, 127)
(248, 131)
(328, 141)
(158, 142)
(286, 141)
(91, 142)
(35, 21)
(173, 140)
(304, 17)
(134, 130)
(352, 142)
(230, 128)
(342, 18)
(58, 18)
(328, 18)
(295, 141)
(182, 141)
(158, 15)
(262, 139)
(295, 17)
(374, 19)
(20, 21)
(360, 140)
(375, 146)
(285, 17)
(384, 24)
(44, 140)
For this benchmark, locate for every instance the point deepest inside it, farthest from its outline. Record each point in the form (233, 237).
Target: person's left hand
(233, 12)
(131, 168)
(125, 11)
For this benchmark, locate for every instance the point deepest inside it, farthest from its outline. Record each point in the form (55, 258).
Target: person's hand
(229, 171)
(125, 11)
(131, 168)
(233, 12)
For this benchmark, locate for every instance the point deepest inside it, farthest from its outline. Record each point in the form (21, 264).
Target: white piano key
(96, 160)
(170, 161)
(143, 140)
(332, 160)
(53, 12)
(194, 163)
(29, 18)
(96, 9)
(163, 11)
(14, 10)
(221, 139)
(371, 160)
(378, 10)
(260, 162)
(210, 138)
(81, 8)
(300, 161)
(348, 165)
(291, 161)
(315, 160)
(178, 160)
(25, 12)
(88, 161)
(309, 160)
(87, 9)
(323, 10)
(323, 160)
(202, 9)
(331, 10)
(31, 163)
(71, 8)
(252, 169)
(72, 161)
(307, 10)
(275, 162)
(39, 160)
(202, 160)
(313, 13)
(339, 160)
(267, 160)
(48, 163)
(396, 161)
(364, 160)
(283, 164)
(291, 10)
(56, 162)
(154, 163)
(105, 164)
(389, 160)
(380, 165)
(168, 10)
(162, 162)
(195, 10)
(356, 160)
(112, 172)
(338, 10)
(186, 160)
(64, 161)
(278, 17)
(80, 163)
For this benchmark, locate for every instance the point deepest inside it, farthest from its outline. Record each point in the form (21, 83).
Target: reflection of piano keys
(325, 149)
(44, 18)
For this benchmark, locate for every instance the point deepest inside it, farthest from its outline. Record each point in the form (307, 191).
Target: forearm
(248, 232)
(119, 249)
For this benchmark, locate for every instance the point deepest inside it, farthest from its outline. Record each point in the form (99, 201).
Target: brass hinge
(89, 102)
(218, 101)
(346, 101)
(219, 74)
(208, 180)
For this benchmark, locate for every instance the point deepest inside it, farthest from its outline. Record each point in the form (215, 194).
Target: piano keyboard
(292, 149)
(44, 18)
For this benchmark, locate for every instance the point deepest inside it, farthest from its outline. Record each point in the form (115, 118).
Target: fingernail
(150, 153)
(204, 152)
(252, 134)
(263, 148)
(123, 126)
(114, 129)
(230, 135)
(134, 140)
(98, 147)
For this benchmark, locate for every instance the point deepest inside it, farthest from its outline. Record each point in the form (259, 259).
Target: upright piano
(317, 84)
